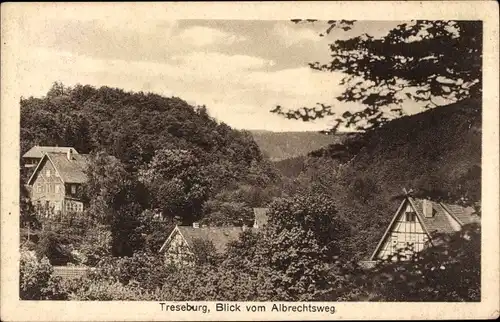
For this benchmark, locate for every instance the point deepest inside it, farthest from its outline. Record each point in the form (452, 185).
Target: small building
(178, 248)
(35, 154)
(56, 182)
(417, 222)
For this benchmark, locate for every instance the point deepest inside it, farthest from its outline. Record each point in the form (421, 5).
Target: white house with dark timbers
(418, 221)
(179, 246)
(56, 181)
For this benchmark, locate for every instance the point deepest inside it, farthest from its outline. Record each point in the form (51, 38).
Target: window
(39, 188)
(410, 216)
(73, 189)
(57, 188)
(47, 173)
(57, 206)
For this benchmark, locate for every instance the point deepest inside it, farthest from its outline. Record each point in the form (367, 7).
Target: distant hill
(436, 153)
(285, 145)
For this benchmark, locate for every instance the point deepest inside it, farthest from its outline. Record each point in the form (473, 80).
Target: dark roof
(465, 215)
(70, 171)
(260, 216)
(219, 236)
(440, 222)
(39, 151)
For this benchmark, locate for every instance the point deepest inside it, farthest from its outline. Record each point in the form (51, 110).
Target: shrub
(36, 281)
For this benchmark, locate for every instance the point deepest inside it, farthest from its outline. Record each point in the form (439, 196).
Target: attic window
(410, 216)
(47, 173)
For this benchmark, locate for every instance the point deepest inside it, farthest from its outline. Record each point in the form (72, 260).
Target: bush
(36, 281)
(105, 290)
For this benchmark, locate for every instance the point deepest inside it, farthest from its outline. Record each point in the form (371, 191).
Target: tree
(297, 247)
(435, 62)
(105, 188)
(177, 182)
(113, 195)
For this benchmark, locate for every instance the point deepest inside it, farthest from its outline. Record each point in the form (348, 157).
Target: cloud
(301, 81)
(291, 34)
(204, 36)
(214, 63)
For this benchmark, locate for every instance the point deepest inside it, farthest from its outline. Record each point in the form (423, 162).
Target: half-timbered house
(56, 182)
(179, 247)
(417, 222)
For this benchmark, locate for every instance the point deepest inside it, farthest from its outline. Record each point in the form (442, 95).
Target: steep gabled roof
(39, 151)
(70, 171)
(219, 236)
(441, 221)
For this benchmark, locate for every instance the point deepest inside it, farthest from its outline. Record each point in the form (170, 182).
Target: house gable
(406, 228)
(181, 243)
(175, 234)
(417, 222)
(176, 249)
(42, 166)
(47, 189)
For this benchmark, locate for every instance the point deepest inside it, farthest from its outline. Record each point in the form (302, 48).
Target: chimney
(196, 225)
(68, 154)
(427, 208)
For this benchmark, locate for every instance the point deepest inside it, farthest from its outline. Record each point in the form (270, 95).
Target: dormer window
(73, 189)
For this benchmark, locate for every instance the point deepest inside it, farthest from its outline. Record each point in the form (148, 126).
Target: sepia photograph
(201, 163)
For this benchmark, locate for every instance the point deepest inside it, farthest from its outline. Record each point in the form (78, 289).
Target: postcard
(249, 161)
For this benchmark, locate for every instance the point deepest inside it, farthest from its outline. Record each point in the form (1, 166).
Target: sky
(238, 69)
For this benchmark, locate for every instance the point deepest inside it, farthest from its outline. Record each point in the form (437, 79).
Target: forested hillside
(149, 154)
(129, 126)
(285, 145)
(436, 153)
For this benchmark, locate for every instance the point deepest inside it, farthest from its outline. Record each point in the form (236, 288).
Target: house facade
(35, 154)
(416, 223)
(179, 247)
(56, 182)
